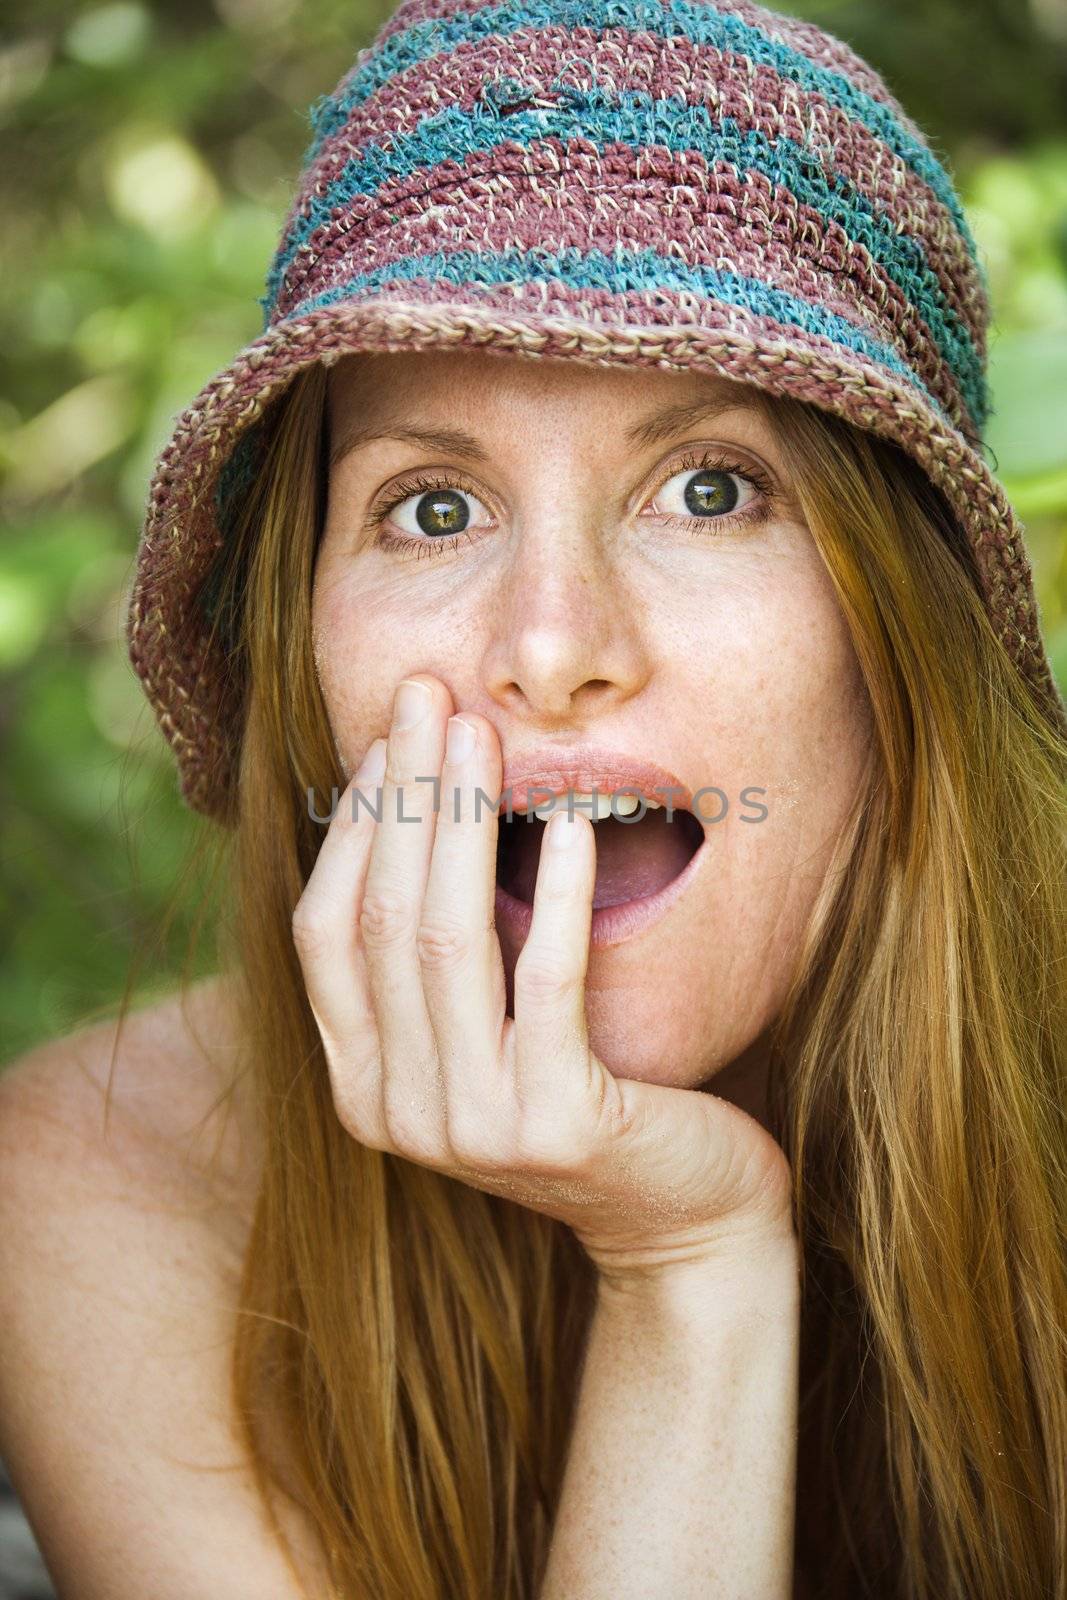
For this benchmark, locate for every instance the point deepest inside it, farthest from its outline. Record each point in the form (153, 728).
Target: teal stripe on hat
(701, 23)
(622, 272)
(642, 120)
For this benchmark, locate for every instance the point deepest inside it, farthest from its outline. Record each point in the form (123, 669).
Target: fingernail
(372, 767)
(411, 704)
(459, 740)
(562, 830)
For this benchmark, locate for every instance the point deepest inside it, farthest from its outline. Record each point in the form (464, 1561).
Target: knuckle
(620, 1117)
(541, 976)
(411, 1121)
(309, 931)
(411, 1139)
(475, 1144)
(360, 1122)
(551, 1145)
(555, 891)
(385, 918)
(364, 1130)
(442, 942)
(372, 1137)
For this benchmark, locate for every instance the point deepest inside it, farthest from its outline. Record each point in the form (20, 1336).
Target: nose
(568, 637)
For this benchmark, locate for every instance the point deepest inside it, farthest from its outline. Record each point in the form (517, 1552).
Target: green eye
(711, 492)
(428, 515)
(441, 511)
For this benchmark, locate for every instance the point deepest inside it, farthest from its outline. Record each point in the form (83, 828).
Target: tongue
(633, 859)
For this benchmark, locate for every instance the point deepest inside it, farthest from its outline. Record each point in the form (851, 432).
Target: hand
(396, 940)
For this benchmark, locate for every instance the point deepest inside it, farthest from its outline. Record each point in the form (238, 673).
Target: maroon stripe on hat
(719, 220)
(755, 96)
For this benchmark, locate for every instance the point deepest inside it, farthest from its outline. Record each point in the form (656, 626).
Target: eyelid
(434, 478)
(746, 463)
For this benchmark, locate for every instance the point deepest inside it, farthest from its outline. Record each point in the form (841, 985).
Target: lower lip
(609, 924)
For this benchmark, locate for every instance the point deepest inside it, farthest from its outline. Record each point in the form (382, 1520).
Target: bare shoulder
(123, 1224)
(161, 1101)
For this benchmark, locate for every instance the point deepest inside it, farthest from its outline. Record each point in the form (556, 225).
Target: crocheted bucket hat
(680, 184)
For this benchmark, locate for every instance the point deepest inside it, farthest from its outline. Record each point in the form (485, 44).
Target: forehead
(377, 377)
(485, 392)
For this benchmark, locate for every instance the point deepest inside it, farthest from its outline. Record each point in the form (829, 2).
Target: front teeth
(596, 809)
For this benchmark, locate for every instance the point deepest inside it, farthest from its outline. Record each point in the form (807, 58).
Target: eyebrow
(663, 423)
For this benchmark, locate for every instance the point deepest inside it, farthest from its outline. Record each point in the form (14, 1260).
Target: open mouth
(636, 857)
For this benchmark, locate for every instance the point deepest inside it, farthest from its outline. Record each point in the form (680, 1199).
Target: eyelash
(423, 483)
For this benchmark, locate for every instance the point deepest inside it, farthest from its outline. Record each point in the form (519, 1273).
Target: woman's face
(616, 582)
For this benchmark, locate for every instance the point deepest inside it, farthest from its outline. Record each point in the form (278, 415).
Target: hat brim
(183, 670)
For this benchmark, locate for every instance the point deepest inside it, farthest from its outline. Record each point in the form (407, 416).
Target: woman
(680, 1210)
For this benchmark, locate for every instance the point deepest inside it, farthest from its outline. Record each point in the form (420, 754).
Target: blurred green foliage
(149, 154)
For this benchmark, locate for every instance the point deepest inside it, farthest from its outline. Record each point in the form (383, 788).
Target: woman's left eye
(705, 493)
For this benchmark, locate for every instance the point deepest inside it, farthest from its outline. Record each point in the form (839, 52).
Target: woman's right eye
(435, 513)
(427, 513)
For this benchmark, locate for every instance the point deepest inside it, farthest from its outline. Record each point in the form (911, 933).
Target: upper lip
(551, 770)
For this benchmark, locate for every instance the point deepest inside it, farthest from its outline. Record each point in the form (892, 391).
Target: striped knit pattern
(660, 182)
(657, 156)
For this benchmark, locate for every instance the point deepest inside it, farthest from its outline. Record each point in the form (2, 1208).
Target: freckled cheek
(788, 693)
(358, 659)
(821, 758)
(366, 639)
